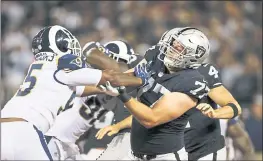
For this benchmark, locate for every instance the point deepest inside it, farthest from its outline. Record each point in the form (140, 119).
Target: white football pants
(22, 141)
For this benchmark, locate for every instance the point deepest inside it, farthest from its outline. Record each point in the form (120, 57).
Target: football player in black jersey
(203, 139)
(228, 110)
(206, 131)
(200, 147)
(173, 87)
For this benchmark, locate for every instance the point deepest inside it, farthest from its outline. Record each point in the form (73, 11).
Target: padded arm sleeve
(80, 77)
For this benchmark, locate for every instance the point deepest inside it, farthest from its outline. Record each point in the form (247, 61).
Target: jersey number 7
(29, 79)
(202, 89)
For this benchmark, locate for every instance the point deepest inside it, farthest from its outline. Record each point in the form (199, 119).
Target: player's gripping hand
(206, 109)
(109, 130)
(94, 47)
(143, 71)
(109, 90)
(120, 92)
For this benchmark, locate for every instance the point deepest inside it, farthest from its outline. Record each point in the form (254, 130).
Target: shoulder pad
(70, 62)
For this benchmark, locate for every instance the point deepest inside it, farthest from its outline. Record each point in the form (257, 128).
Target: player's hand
(94, 47)
(109, 90)
(120, 92)
(109, 130)
(143, 71)
(206, 109)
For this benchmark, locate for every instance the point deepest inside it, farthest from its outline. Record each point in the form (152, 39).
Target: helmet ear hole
(62, 45)
(62, 41)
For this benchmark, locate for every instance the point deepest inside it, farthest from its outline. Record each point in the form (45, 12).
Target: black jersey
(203, 134)
(168, 137)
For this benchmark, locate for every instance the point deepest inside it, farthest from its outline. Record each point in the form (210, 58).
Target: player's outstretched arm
(229, 106)
(94, 77)
(83, 91)
(98, 59)
(240, 138)
(97, 56)
(164, 110)
(119, 79)
(114, 129)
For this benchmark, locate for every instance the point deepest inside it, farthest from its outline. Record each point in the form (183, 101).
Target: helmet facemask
(117, 57)
(75, 47)
(73, 44)
(120, 51)
(175, 52)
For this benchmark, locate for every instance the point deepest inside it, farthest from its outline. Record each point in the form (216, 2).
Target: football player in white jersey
(58, 70)
(72, 123)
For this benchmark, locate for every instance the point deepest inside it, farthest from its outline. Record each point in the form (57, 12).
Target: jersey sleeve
(194, 86)
(70, 63)
(212, 75)
(80, 77)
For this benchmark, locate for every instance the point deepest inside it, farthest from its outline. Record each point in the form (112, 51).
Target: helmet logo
(200, 51)
(77, 62)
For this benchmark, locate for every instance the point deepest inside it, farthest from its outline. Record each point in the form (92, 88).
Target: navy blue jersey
(70, 62)
(203, 134)
(168, 137)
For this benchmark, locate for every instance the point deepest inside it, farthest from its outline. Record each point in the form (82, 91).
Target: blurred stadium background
(234, 30)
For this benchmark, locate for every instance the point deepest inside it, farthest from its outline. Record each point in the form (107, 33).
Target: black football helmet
(57, 40)
(120, 51)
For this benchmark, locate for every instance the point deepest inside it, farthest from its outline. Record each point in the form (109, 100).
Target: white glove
(109, 90)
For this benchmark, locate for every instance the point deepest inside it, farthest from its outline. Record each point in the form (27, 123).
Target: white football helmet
(184, 47)
(120, 50)
(57, 40)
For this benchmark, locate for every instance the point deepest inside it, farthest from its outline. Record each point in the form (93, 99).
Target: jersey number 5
(29, 79)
